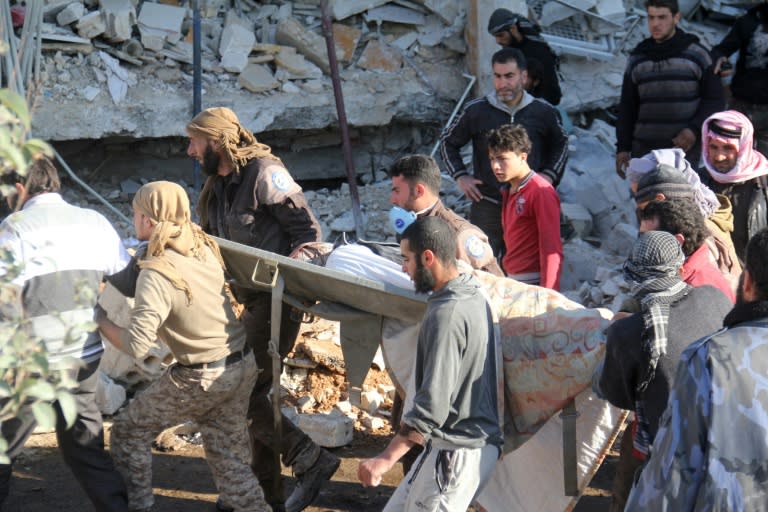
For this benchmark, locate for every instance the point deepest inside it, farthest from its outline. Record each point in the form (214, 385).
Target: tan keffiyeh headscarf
(238, 143)
(167, 205)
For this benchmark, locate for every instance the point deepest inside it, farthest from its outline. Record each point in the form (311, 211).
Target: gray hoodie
(456, 378)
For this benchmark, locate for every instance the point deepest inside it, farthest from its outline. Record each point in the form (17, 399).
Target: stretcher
(550, 347)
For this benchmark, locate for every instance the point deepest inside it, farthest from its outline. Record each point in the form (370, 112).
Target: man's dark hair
(435, 234)
(754, 262)
(506, 55)
(417, 169)
(41, 177)
(679, 216)
(509, 137)
(660, 4)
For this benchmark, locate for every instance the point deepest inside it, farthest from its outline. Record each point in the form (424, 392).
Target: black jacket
(540, 119)
(749, 200)
(698, 314)
(751, 74)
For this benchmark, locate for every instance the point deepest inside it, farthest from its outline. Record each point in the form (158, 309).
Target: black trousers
(81, 446)
(297, 449)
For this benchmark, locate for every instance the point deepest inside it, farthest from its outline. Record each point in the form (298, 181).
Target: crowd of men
(679, 354)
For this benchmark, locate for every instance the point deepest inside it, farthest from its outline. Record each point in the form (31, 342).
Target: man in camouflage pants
(710, 450)
(180, 297)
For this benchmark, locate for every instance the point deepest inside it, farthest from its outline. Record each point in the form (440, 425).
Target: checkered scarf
(653, 271)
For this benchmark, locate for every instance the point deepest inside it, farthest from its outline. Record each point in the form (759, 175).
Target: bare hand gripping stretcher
(550, 346)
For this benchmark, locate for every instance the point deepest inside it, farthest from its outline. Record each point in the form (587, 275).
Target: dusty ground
(43, 483)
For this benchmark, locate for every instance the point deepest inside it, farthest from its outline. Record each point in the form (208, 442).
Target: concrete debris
(327, 430)
(342, 9)
(345, 37)
(70, 14)
(379, 56)
(91, 25)
(120, 17)
(159, 23)
(258, 78)
(370, 401)
(236, 44)
(372, 422)
(292, 33)
(394, 14)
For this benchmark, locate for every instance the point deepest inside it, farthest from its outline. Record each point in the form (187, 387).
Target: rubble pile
(126, 65)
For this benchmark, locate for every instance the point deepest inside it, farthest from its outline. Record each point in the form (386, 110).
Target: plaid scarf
(653, 271)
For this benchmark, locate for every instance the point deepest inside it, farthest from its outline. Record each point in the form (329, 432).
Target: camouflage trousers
(217, 400)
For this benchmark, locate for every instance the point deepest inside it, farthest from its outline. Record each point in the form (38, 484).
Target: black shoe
(308, 483)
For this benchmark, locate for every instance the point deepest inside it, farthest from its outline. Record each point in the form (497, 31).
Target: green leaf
(41, 360)
(44, 414)
(41, 390)
(38, 146)
(17, 105)
(14, 155)
(68, 406)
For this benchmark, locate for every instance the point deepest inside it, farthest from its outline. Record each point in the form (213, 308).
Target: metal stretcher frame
(311, 287)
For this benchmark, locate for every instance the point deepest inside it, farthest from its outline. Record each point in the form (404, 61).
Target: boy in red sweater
(530, 213)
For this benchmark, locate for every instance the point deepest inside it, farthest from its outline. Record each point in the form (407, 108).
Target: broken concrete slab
(446, 10)
(257, 78)
(292, 33)
(378, 56)
(120, 17)
(342, 9)
(235, 46)
(394, 14)
(91, 25)
(293, 66)
(327, 430)
(159, 23)
(345, 38)
(70, 14)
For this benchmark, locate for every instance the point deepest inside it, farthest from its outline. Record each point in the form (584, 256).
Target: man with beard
(250, 198)
(514, 31)
(416, 191)
(455, 413)
(509, 103)
(669, 89)
(710, 450)
(733, 168)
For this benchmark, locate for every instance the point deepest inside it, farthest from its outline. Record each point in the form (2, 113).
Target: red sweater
(530, 217)
(698, 270)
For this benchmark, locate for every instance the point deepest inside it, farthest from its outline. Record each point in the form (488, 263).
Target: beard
(211, 161)
(423, 279)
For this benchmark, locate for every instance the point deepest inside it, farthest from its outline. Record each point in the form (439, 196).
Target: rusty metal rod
(345, 142)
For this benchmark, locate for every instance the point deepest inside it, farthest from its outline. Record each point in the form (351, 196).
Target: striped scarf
(653, 271)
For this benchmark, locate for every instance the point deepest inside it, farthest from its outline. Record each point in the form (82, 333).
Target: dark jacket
(667, 87)
(749, 200)
(698, 314)
(751, 74)
(262, 207)
(540, 119)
